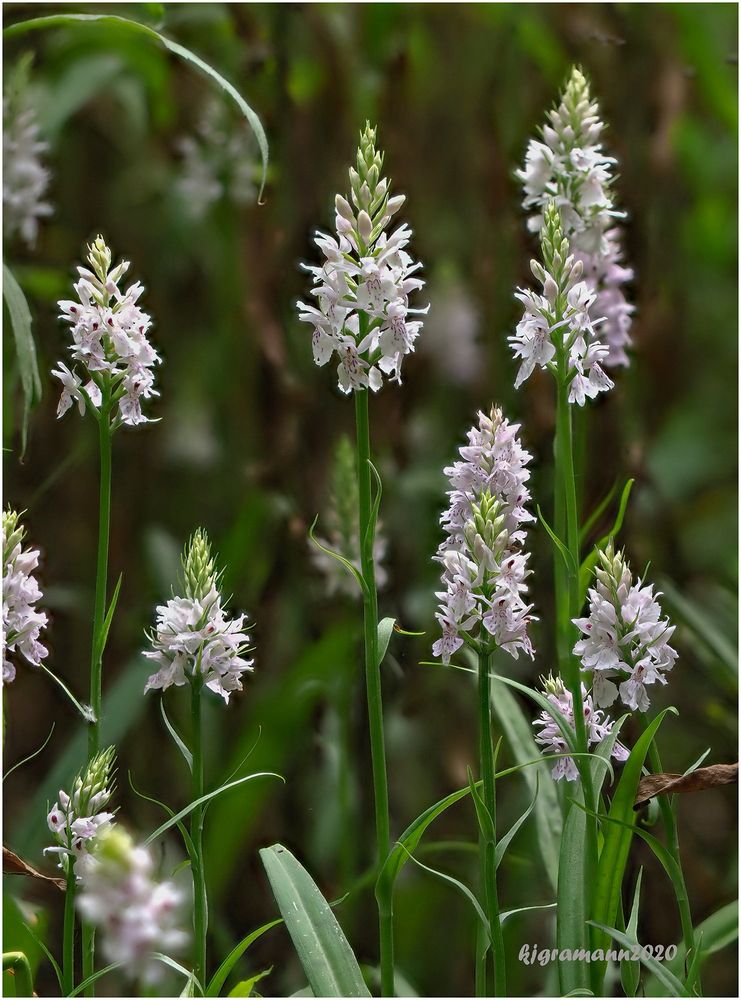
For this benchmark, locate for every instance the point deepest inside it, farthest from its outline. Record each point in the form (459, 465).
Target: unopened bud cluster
(570, 168)
(362, 290)
(22, 623)
(485, 567)
(624, 636)
(194, 640)
(109, 342)
(556, 330)
(79, 816)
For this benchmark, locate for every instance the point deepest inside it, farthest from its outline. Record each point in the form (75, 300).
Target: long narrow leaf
(176, 738)
(657, 968)
(326, 957)
(174, 820)
(220, 976)
(67, 20)
(571, 928)
(20, 322)
(630, 974)
(617, 836)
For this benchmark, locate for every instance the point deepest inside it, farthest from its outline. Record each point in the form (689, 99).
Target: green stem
(68, 941)
(567, 604)
(373, 682)
(88, 957)
(668, 817)
(200, 906)
(489, 836)
(16, 963)
(101, 579)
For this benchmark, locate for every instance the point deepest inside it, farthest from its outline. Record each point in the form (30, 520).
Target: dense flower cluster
(25, 178)
(137, 917)
(22, 623)
(109, 334)
(340, 523)
(570, 167)
(556, 330)
(362, 289)
(624, 635)
(76, 819)
(218, 161)
(551, 738)
(194, 639)
(485, 567)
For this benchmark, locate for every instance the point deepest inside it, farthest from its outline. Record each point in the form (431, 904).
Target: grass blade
(220, 976)
(20, 322)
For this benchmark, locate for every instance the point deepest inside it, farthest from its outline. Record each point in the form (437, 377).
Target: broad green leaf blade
(246, 986)
(571, 918)
(67, 20)
(20, 322)
(326, 957)
(519, 734)
(220, 976)
(618, 835)
(385, 630)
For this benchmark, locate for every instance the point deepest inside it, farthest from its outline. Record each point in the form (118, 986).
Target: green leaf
(519, 733)
(245, 987)
(370, 531)
(385, 630)
(177, 739)
(506, 840)
(716, 932)
(106, 626)
(68, 20)
(220, 976)
(597, 512)
(571, 927)
(462, 888)
(326, 957)
(506, 914)
(591, 560)
(95, 976)
(677, 989)
(25, 760)
(20, 322)
(617, 836)
(630, 974)
(604, 752)
(567, 557)
(483, 816)
(174, 820)
(352, 570)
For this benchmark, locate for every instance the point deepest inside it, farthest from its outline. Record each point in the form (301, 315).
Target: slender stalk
(200, 906)
(96, 655)
(101, 578)
(489, 865)
(373, 681)
(68, 941)
(669, 819)
(567, 603)
(16, 963)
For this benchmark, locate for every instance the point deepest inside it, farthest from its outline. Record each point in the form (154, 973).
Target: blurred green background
(249, 425)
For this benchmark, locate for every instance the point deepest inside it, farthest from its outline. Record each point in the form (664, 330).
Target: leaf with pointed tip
(385, 629)
(124, 23)
(220, 976)
(176, 738)
(322, 948)
(20, 323)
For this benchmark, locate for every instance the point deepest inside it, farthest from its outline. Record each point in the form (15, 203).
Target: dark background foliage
(249, 425)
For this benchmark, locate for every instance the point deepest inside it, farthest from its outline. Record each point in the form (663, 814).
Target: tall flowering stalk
(112, 372)
(483, 602)
(196, 644)
(362, 315)
(111, 375)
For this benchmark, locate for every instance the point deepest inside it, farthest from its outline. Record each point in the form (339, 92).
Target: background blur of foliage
(249, 424)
